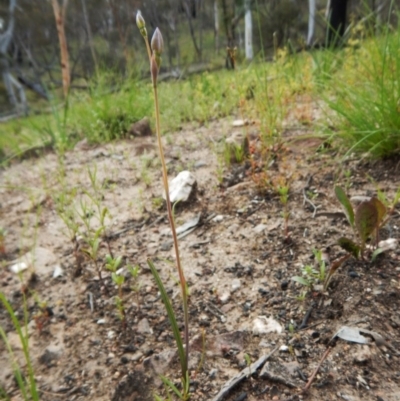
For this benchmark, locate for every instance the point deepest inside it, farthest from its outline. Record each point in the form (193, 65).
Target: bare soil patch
(238, 263)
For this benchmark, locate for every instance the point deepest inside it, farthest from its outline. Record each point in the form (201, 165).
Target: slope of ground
(238, 263)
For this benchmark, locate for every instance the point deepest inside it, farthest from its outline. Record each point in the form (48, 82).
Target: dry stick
(307, 316)
(246, 372)
(312, 204)
(309, 179)
(308, 385)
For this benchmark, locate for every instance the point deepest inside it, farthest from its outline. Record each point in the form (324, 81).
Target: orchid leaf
(349, 246)
(380, 208)
(366, 220)
(345, 202)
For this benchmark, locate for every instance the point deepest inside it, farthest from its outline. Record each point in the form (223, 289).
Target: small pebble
(235, 284)
(354, 274)
(284, 285)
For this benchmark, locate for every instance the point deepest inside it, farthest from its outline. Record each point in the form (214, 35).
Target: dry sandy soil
(238, 263)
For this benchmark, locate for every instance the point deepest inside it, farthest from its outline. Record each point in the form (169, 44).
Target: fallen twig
(307, 316)
(309, 202)
(248, 371)
(311, 379)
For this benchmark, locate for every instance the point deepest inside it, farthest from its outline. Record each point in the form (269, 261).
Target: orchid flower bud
(157, 42)
(157, 45)
(141, 23)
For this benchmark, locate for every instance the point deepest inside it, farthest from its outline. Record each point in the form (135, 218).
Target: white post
(248, 31)
(311, 21)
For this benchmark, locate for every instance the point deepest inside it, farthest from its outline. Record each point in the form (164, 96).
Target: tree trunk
(59, 14)
(201, 23)
(311, 22)
(248, 30)
(337, 21)
(9, 81)
(189, 15)
(122, 35)
(227, 17)
(89, 35)
(216, 27)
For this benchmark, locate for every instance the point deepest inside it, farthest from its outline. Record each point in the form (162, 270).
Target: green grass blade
(171, 316)
(168, 384)
(25, 347)
(15, 367)
(301, 280)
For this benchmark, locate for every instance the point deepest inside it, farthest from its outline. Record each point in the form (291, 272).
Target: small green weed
(27, 384)
(310, 275)
(366, 220)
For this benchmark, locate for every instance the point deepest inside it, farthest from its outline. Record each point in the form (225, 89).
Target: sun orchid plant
(154, 51)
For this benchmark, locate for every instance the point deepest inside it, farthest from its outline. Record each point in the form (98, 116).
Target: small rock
(136, 356)
(284, 285)
(111, 334)
(284, 348)
(224, 297)
(363, 355)
(233, 228)
(52, 353)
(218, 218)
(264, 325)
(166, 246)
(18, 267)
(58, 271)
(141, 128)
(240, 123)
(101, 321)
(182, 187)
(353, 274)
(144, 327)
(213, 373)
(159, 364)
(227, 307)
(200, 164)
(235, 284)
(39, 259)
(259, 228)
(204, 318)
(388, 244)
